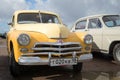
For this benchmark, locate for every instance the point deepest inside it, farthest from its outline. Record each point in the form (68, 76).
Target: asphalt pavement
(100, 68)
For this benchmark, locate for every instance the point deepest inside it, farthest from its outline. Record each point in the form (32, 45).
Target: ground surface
(100, 68)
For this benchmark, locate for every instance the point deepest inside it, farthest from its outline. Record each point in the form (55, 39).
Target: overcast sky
(69, 10)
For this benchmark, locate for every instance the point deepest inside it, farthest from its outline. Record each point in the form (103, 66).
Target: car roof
(34, 11)
(95, 16)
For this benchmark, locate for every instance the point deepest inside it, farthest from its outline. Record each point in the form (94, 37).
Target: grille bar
(57, 44)
(44, 53)
(55, 47)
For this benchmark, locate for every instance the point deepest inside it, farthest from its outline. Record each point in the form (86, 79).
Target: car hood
(50, 30)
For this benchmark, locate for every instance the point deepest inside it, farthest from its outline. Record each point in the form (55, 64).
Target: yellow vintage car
(40, 38)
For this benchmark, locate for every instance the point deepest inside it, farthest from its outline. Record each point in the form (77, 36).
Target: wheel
(13, 65)
(116, 53)
(77, 68)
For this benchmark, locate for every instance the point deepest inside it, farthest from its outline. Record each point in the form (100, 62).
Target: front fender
(34, 37)
(12, 43)
(79, 37)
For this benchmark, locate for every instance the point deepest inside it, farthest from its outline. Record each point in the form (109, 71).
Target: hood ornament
(60, 39)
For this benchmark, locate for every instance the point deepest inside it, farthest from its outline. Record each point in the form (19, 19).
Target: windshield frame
(40, 18)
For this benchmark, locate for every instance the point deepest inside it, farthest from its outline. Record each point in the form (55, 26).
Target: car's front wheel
(78, 67)
(116, 53)
(13, 65)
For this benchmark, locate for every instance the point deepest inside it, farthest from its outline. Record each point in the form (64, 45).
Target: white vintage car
(105, 30)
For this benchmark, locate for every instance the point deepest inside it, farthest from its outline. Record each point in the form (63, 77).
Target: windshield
(28, 18)
(112, 20)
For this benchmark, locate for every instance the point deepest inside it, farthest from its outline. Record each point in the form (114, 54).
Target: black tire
(116, 53)
(78, 67)
(97, 54)
(13, 65)
(94, 54)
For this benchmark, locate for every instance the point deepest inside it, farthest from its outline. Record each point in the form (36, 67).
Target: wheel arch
(11, 45)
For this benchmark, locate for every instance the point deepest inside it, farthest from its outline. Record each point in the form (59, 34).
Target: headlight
(88, 39)
(23, 39)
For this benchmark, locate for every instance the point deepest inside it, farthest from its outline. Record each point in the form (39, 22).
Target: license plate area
(63, 61)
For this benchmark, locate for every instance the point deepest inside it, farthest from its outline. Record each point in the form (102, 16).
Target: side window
(94, 23)
(81, 24)
(109, 23)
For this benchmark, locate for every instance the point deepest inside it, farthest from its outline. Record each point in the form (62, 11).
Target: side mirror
(10, 23)
(65, 25)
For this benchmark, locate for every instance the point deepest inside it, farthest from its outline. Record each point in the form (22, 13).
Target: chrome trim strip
(57, 44)
(56, 49)
(74, 54)
(49, 55)
(45, 53)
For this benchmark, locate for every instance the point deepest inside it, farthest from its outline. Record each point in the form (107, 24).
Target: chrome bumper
(85, 57)
(38, 61)
(32, 61)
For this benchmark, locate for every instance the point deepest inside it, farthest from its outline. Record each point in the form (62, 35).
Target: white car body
(105, 34)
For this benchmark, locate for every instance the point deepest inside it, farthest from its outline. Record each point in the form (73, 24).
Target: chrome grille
(50, 47)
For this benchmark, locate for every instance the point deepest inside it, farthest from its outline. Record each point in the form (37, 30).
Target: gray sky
(69, 10)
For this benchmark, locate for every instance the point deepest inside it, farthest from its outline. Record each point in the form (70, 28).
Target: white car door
(94, 28)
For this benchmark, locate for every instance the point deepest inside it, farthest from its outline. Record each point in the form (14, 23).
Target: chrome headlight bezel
(23, 39)
(88, 39)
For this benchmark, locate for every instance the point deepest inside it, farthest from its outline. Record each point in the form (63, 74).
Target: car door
(94, 28)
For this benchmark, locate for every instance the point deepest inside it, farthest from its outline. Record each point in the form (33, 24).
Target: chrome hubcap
(118, 54)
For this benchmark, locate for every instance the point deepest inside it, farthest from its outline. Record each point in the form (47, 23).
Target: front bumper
(25, 60)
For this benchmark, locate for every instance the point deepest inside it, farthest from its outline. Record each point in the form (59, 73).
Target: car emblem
(60, 41)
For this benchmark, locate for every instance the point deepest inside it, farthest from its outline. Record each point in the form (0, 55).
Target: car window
(109, 23)
(81, 24)
(94, 23)
(27, 18)
(112, 20)
(48, 18)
